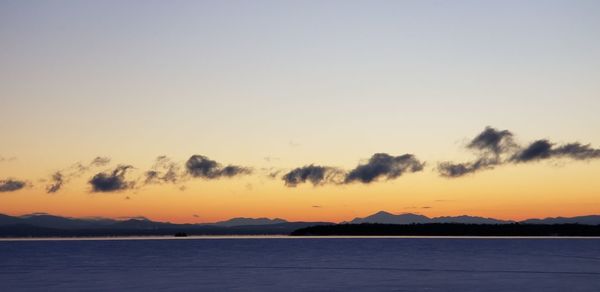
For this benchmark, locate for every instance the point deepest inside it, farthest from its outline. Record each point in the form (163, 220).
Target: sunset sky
(264, 88)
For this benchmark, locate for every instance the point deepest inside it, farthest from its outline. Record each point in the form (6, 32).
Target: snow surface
(302, 264)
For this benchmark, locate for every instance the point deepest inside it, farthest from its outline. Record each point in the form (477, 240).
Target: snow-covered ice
(302, 264)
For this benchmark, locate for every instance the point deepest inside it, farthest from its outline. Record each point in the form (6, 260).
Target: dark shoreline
(450, 229)
(345, 230)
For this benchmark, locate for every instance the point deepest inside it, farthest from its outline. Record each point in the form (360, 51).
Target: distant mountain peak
(382, 213)
(244, 221)
(411, 218)
(389, 218)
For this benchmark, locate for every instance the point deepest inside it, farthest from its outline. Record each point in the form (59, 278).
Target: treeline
(450, 229)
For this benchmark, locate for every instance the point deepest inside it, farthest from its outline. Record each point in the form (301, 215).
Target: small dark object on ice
(181, 234)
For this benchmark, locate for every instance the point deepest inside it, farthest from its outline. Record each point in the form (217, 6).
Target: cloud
(10, 185)
(233, 170)
(497, 148)
(7, 159)
(382, 165)
(59, 178)
(57, 182)
(540, 149)
(79, 168)
(544, 149)
(270, 158)
(317, 175)
(489, 145)
(577, 151)
(163, 171)
(113, 181)
(100, 161)
(493, 141)
(203, 167)
(449, 169)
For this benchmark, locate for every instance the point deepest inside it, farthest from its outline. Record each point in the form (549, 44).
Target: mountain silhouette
(41, 224)
(242, 221)
(587, 220)
(384, 217)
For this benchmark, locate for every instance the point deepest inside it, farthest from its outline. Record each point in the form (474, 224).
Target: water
(302, 264)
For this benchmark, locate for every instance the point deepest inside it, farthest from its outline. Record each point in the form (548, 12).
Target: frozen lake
(301, 264)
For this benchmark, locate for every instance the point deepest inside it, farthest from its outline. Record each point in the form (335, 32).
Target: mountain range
(41, 224)
(409, 218)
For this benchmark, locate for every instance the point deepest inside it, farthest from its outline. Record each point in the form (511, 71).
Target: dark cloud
(540, 149)
(233, 170)
(382, 165)
(113, 181)
(498, 148)
(203, 167)
(10, 185)
(493, 141)
(490, 145)
(577, 151)
(317, 175)
(163, 171)
(57, 181)
(543, 149)
(449, 169)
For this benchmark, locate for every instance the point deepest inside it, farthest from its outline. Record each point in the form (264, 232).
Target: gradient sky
(275, 85)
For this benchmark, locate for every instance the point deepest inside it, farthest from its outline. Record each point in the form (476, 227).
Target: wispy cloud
(163, 171)
(7, 159)
(57, 181)
(59, 178)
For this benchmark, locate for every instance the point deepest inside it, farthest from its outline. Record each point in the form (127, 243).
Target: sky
(199, 111)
